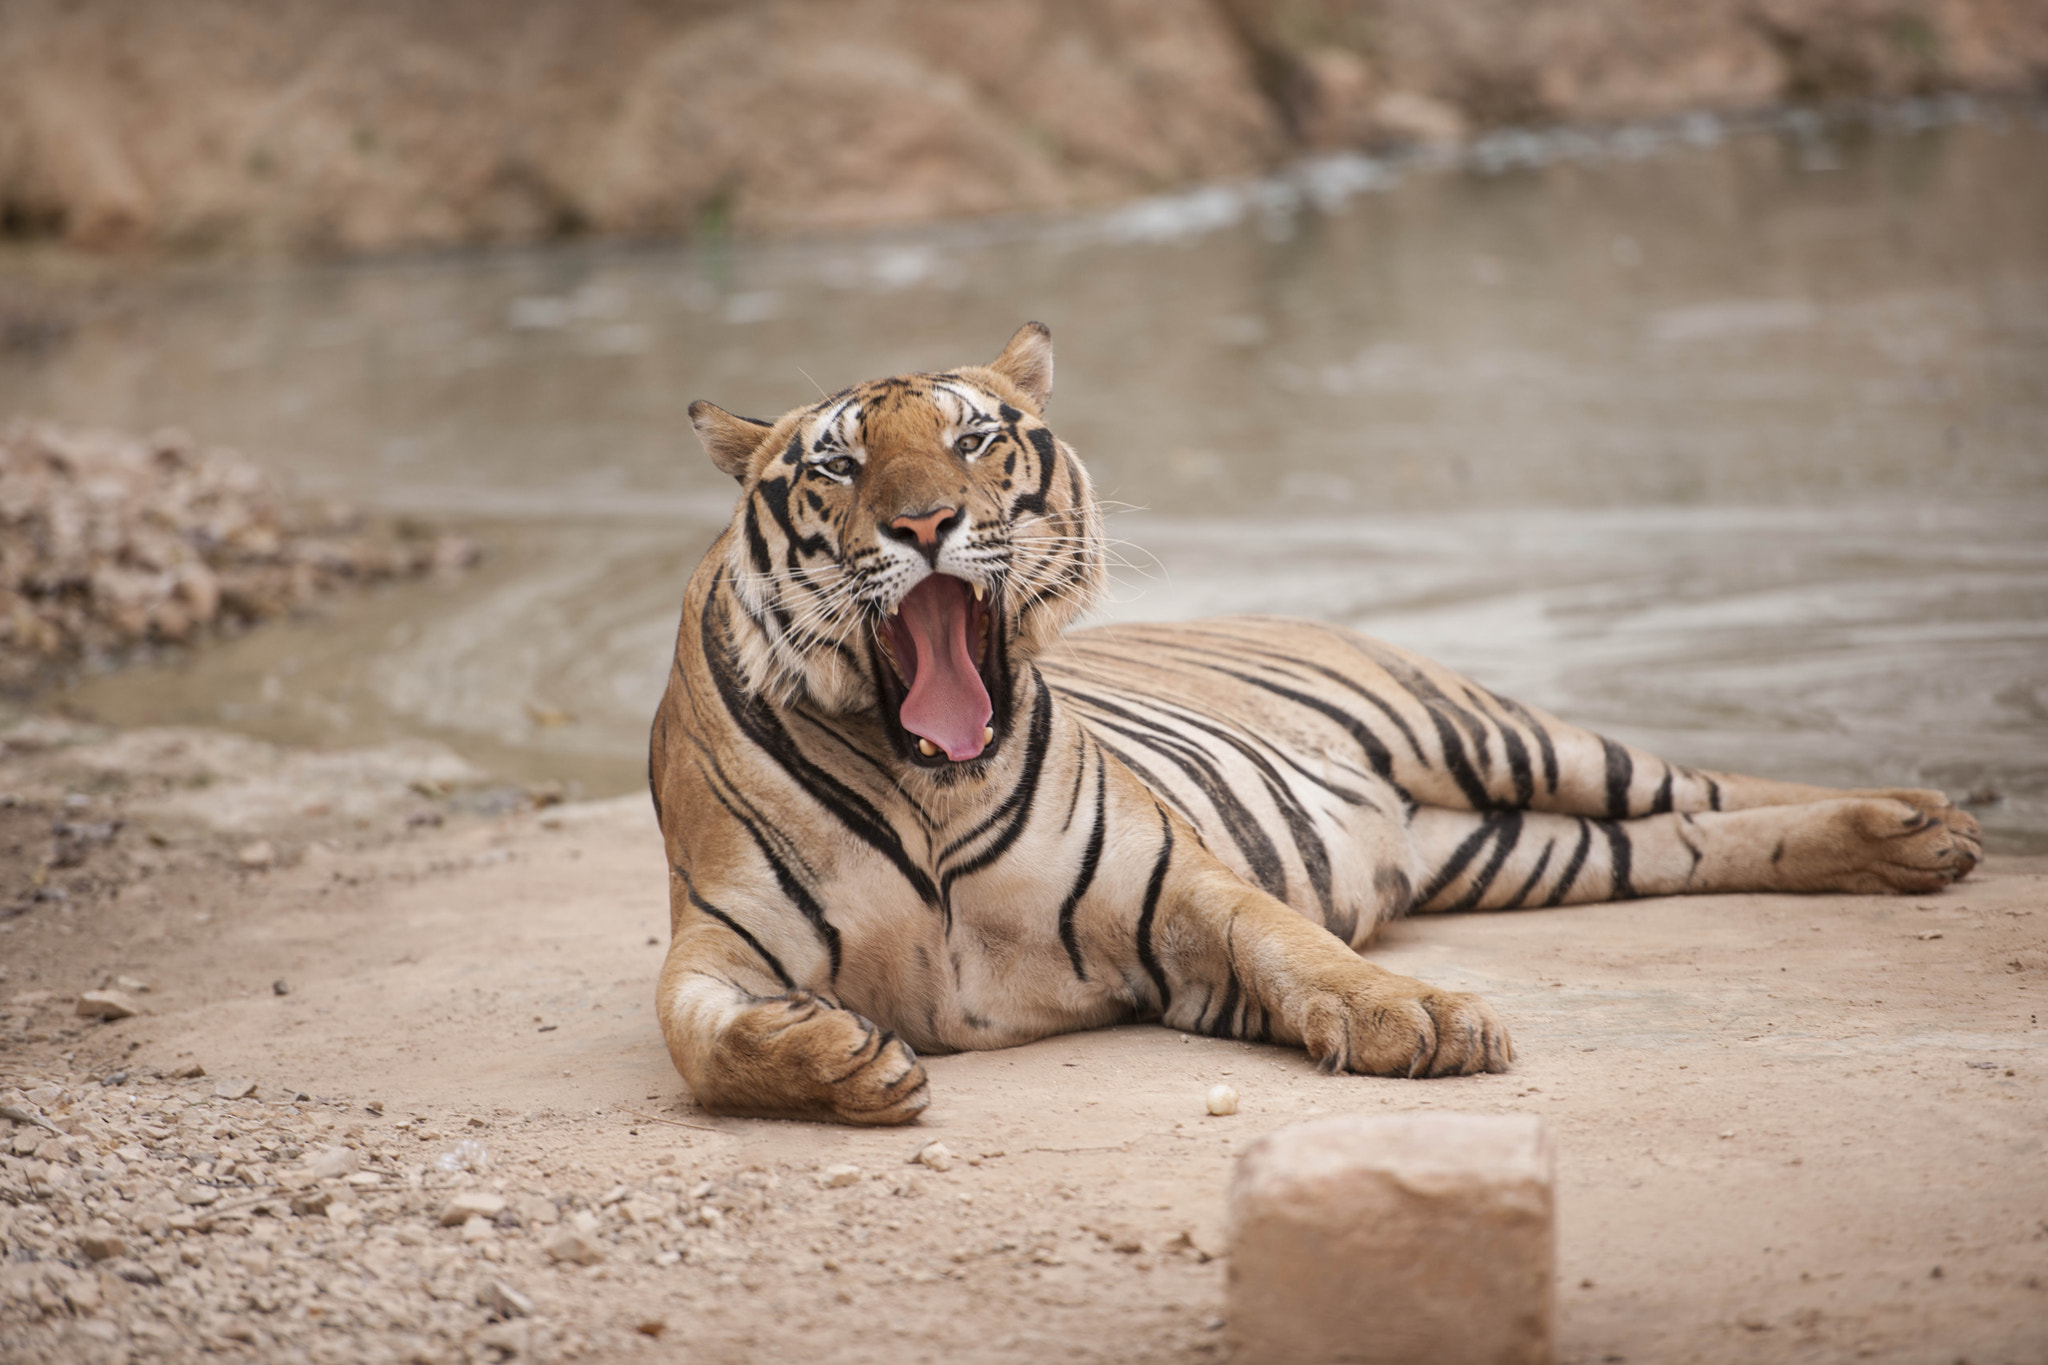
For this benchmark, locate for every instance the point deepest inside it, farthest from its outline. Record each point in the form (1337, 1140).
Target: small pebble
(935, 1156)
(839, 1177)
(471, 1204)
(234, 1088)
(1222, 1100)
(257, 856)
(105, 1005)
(504, 1300)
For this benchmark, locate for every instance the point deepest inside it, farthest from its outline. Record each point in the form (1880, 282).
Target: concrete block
(1400, 1239)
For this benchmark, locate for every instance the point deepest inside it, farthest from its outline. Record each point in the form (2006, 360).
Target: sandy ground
(1789, 1129)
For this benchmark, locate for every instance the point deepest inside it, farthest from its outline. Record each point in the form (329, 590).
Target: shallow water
(1730, 441)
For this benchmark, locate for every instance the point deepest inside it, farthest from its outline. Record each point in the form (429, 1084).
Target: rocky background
(232, 124)
(110, 545)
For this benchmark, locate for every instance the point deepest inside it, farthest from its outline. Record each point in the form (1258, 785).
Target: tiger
(907, 811)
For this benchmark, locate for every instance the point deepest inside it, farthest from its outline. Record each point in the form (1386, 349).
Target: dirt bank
(296, 126)
(1789, 1128)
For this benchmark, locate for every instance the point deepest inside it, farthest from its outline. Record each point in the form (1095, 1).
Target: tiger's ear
(729, 440)
(1027, 363)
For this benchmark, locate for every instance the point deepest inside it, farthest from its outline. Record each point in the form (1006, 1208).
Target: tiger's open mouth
(938, 647)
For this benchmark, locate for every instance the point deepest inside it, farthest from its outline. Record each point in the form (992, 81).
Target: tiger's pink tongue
(947, 703)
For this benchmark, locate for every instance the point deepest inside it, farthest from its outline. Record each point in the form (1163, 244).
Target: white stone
(334, 1163)
(1413, 1237)
(935, 1156)
(471, 1204)
(106, 1005)
(1222, 1100)
(839, 1177)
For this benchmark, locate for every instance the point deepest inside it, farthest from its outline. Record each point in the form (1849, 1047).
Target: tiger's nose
(925, 530)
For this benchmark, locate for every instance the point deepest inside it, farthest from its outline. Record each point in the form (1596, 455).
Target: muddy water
(1731, 441)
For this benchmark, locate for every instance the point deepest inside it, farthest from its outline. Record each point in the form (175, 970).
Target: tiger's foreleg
(1504, 860)
(748, 1043)
(1222, 957)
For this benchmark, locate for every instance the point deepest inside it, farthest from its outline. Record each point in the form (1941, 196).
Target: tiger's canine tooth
(980, 592)
(927, 748)
(988, 734)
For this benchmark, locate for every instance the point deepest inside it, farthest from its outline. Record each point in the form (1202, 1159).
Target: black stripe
(1543, 744)
(1460, 856)
(1621, 769)
(1145, 953)
(1660, 804)
(792, 885)
(1571, 869)
(1517, 755)
(1042, 442)
(1619, 847)
(1086, 878)
(1017, 805)
(757, 720)
(1285, 663)
(1522, 896)
(774, 963)
(1080, 771)
(1713, 792)
(1244, 827)
(1508, 832)
(1308, 844)
(1377, 755)
(1455, 760)
(1219, 1027)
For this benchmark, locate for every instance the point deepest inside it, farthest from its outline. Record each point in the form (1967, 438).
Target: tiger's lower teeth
(988, 734)
(927, 748)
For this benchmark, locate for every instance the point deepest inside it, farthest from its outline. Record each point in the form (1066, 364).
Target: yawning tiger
(904, 810)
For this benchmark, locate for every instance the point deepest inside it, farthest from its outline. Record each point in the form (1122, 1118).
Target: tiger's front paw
(1389, 1025)
(799, 1056)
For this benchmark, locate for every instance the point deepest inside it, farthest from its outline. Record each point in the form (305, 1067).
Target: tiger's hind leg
(1505, 860)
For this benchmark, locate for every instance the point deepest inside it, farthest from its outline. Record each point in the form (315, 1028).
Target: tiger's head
(908, 545)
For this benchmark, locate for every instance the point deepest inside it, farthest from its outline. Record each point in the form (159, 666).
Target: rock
(130, 983)
(479, 1230)
(839, 1177)
(234, 1088)
(471, 1204)
(503, 1300)
(344, 1215)
(106, 1005)
(510, 1338)
(535, 1210)
(198, 1196)
(1222, 1100)
(257, 856)
(82, 1292)
(651, 1327)
(335, 1162)
(936, 1156)
(574, 1245)
(102, 1243)
(312, 1202)
(1415, 1237)
(189, 1072)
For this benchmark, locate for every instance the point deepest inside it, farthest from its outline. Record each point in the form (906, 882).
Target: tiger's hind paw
(1908, 846)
